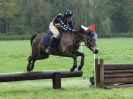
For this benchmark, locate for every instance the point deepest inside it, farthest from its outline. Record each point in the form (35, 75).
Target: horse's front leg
(74, 56)
(82, 60)
(74, 63)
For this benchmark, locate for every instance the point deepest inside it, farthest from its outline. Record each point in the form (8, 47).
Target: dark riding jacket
(60, 23)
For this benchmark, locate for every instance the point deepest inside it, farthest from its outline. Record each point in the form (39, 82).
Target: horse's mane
(75, 31)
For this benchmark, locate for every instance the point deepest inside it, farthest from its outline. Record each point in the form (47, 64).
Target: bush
(113, 35)
(15, 37)
(27, 37)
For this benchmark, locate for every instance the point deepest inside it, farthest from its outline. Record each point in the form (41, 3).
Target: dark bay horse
(67, 46)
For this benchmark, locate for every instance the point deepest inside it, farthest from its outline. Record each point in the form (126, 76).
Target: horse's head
(91, 41)
(90, 38)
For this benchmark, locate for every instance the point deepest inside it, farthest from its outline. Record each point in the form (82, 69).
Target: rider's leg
(48, 49)
(55, 32)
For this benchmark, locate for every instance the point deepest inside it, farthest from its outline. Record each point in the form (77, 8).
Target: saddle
(47, 37)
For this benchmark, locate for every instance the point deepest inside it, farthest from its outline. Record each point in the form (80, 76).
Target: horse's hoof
(79, 68)
(72, 69)
(28, 70)
(92, 80)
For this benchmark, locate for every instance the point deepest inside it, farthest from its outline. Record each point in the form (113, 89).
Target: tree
(7, 11)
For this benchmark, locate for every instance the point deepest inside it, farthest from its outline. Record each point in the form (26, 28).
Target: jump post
(55, 75)
(112, 75)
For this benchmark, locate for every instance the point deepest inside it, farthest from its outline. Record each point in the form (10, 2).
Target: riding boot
(48, 49)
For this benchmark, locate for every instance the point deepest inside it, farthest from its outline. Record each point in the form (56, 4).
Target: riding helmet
(68, 13)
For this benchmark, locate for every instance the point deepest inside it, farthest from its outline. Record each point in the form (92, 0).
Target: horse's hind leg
(32, 65)
(29, 63)
(39, 57)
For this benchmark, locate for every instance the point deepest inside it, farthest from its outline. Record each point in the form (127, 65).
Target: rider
(62, 22)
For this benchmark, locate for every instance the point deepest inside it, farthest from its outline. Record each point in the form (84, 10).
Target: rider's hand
(70, 29)
(73, 30)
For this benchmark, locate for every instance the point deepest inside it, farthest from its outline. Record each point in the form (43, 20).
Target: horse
(66, 46)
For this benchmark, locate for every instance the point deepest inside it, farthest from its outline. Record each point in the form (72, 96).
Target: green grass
(13, 58)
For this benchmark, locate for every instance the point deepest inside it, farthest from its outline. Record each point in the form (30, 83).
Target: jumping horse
(66, 46)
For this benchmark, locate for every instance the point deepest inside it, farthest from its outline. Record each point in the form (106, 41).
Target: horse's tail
(32, 37)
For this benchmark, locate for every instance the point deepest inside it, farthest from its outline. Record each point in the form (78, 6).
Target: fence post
(101, 72)
(57, 80)
(97, 73)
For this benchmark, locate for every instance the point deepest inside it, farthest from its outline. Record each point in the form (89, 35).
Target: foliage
(14, 37)
(24, 17)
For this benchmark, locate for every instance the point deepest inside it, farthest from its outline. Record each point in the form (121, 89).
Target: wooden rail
(55, 75)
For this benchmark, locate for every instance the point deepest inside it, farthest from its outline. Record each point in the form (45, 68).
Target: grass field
(13, 58)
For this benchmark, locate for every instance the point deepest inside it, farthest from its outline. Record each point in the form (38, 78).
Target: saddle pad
(46, 39)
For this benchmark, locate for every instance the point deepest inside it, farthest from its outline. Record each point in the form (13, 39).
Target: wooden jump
(112, 75)
(55, 75)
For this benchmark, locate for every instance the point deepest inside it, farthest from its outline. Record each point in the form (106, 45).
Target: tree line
(25, 17)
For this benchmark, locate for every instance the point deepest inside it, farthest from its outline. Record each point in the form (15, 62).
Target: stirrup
(47, 50)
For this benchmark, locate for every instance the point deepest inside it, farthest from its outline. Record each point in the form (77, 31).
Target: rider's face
(69, 19)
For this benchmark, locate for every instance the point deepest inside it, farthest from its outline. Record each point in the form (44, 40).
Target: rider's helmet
(68, 13)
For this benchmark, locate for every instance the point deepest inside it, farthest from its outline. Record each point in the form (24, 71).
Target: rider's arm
(71, 25)
(58, 21)
(64, 26)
